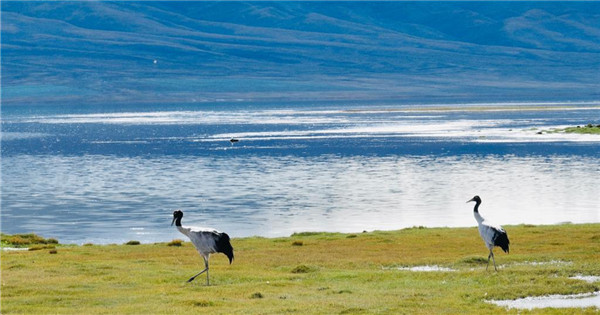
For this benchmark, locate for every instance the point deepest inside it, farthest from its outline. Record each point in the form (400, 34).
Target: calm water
(111, 175)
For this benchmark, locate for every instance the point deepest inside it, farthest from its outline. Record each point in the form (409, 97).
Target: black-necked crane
(206, 240)
(492, 235)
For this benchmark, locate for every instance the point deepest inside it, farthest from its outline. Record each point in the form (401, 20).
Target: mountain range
(130, 52)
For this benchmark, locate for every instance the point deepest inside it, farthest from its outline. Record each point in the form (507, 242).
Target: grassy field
(307, 273)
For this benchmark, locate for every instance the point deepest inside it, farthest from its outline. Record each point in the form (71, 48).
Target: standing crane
(206, 240)
(492, 235)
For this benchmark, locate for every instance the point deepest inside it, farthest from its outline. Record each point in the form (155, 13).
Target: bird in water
(492, 235)
(206, 240)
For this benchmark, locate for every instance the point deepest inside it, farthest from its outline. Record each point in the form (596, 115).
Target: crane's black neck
(476, 209)
(177, 221)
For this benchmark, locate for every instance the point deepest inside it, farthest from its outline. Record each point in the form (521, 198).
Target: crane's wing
(501, 239)
(195, 229)
(208, 240)
(496, 236)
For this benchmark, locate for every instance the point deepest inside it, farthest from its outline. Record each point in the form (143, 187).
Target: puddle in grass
(555, 301)
(8, 249)
(590, 279)
(425, 268)
(541, 263)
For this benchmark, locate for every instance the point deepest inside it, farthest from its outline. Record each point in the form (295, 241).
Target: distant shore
(485, 107)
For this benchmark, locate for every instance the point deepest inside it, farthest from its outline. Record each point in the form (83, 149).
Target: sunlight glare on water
(114, 176)
(104, 196)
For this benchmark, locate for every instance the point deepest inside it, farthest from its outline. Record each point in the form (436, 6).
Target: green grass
(331, 273)
(586, 129)
(24, 240)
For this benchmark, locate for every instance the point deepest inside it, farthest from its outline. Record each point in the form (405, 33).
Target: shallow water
(590, 279)
(112, 176)
(426, 268)
(13, 249)
(554, 301)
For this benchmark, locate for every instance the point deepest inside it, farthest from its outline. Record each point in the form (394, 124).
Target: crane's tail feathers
(224, 246)
(502, 241)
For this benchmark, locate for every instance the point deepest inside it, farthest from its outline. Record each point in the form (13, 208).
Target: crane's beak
(173, 221)
(472, 199)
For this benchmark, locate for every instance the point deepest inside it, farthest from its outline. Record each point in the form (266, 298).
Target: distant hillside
(182, 52)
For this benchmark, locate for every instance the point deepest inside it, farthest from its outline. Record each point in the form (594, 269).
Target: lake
(113, 173)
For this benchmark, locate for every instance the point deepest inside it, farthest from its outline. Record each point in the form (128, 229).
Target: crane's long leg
(494, 259)
(488, 264)
(201, 272)
(194, 277)
(207, 278)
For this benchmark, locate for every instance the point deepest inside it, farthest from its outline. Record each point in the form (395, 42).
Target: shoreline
(374, 106)
(483, 107)
(5, 247)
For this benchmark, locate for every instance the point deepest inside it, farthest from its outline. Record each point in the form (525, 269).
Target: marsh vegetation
(330, 273)
(583, 129)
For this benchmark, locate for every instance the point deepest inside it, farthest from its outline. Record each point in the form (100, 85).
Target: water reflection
(106, 199)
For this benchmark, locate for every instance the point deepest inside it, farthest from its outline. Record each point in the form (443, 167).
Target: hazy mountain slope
(93, 52)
